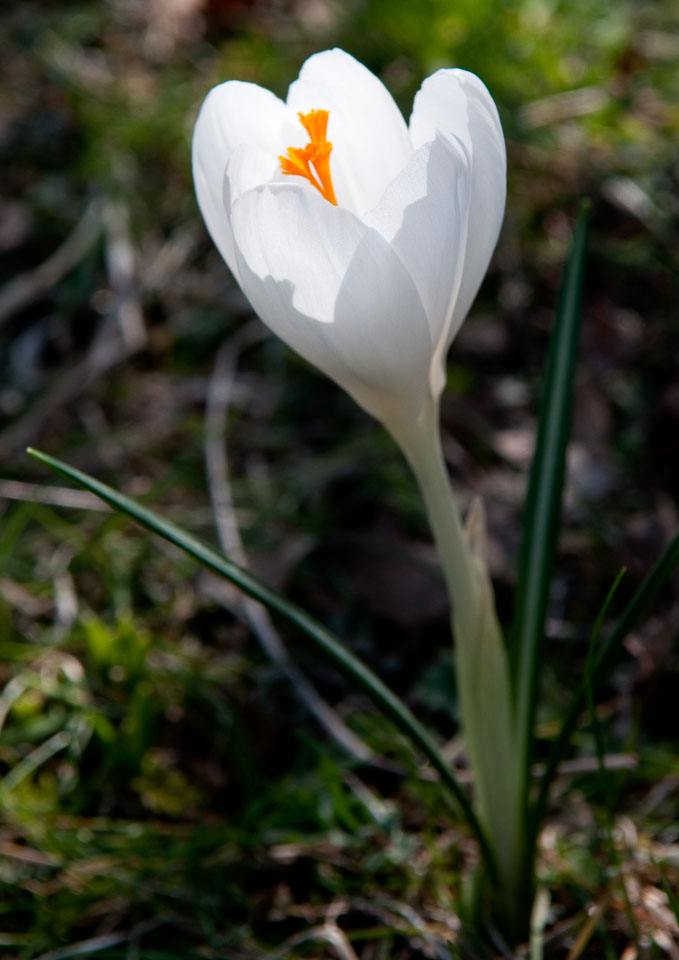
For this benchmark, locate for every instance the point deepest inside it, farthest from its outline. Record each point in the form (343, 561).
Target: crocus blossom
(362, 242)
(358, 239)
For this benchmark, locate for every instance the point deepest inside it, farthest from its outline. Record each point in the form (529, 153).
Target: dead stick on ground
(28, 286)
(95, 944)
(122, 333)
(121, 267)
(216, 460)
(107, 351)
(54, 496)
(327, 932)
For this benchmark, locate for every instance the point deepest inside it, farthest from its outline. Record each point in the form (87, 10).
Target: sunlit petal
(455, 102)
(424, 216)
(234, 115)
(344, 300)
(369, 135)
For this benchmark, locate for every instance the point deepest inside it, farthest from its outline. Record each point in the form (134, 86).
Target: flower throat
(313, 161)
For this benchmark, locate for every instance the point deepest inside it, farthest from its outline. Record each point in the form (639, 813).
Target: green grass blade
(629, 618)
(324, 642)
(672, 898)
(589, 684)
(543, 501)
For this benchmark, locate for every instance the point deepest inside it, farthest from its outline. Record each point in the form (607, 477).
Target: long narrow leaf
(629, 618)
(328, 645)
(543, 501)
(589, 687)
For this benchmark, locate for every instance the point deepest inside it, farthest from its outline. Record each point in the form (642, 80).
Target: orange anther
(313, 161)
(315, 122)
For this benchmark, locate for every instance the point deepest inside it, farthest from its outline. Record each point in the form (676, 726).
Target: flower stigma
(313, 161)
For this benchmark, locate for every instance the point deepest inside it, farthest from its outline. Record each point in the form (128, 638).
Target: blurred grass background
(166, 790)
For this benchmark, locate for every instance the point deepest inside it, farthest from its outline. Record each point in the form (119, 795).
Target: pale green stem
(480, 656)
(422, 448)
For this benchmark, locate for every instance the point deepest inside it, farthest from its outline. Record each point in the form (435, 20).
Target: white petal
(457, 103)
(335, 291)
(251, 166)
(369, 136)
(233, 114)
(424, 215)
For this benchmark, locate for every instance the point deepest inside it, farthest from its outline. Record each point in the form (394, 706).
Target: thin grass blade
(672, 898)
(656, 578)
(321, 638)
(543, 501)
(589, 694)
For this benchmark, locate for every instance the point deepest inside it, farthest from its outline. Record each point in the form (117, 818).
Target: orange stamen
(297, 163)
(315, 122)
(313, 161)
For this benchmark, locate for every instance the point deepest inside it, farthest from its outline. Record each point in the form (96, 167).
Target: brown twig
(28, 286)
(121, 335)
(217, 467)
(120, 263)
(95, 944)
(53, 496)
(327, 932)
(107, 351)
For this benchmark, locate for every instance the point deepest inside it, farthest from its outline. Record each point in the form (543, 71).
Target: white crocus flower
(362, 243)
(362, 247)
